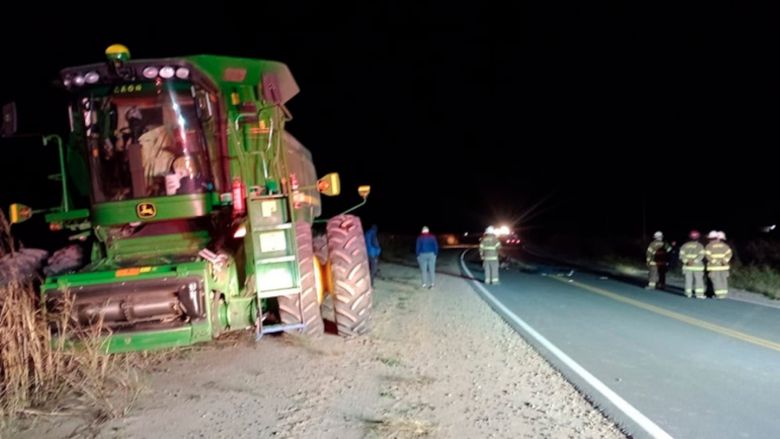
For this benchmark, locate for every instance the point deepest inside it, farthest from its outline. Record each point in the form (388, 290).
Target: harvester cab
(201, 206)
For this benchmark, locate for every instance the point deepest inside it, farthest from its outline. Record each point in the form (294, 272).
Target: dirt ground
(438, 363)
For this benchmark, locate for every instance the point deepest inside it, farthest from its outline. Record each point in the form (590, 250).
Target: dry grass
(72, 375)
(760, 279)
(7, 244)
(68, 380)
(43, 375)
(28, 361)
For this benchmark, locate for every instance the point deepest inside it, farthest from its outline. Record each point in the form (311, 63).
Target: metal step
(277, 293)
(277, 328)
(276, 227)
(275, 260)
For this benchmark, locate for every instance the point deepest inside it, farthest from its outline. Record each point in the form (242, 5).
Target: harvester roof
(221, 71)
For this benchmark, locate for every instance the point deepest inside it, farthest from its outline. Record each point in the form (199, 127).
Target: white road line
(622, 405)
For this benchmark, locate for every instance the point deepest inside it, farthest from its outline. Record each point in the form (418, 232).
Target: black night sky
(564, 117)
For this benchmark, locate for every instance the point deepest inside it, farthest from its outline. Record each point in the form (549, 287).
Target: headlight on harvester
(167, 72)
(91, 77)
(150, 72)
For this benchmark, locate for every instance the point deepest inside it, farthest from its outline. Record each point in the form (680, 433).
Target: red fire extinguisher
(239, 197)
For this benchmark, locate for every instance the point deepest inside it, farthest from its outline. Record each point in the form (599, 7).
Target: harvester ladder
(271, 244)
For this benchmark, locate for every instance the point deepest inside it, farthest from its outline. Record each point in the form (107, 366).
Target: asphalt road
(656, 362)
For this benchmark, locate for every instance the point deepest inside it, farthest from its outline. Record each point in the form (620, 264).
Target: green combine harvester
(201, 206)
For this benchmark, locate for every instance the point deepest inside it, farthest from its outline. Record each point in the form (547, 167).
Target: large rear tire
(352, 292)
(291, 307)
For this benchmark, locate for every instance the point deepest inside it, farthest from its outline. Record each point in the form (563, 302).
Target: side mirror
(363, 191)
(19, 213)
(8, 127)
(330, 184)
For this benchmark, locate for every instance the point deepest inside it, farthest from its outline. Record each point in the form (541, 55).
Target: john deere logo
(146, 210)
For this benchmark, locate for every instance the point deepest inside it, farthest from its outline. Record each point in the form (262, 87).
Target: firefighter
(488, 251)
(718, 255)
(692, 260)
(657, 260)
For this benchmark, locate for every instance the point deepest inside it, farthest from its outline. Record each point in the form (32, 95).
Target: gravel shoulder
(438, 363)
